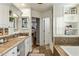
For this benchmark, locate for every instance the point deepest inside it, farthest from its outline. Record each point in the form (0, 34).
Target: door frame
(43, 35)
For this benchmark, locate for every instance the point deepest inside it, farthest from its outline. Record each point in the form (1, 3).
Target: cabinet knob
(13, 52)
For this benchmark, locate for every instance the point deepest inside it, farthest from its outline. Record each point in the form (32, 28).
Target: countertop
(60, 50)
(66, 36)
(5, 47)
(13, 34)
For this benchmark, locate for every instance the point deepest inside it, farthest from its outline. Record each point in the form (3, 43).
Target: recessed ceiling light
(23, 4)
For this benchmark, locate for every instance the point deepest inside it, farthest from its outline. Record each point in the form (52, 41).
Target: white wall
(26, 13)
(58, 13)
(4, 15)
(36, 13)
(77, 9)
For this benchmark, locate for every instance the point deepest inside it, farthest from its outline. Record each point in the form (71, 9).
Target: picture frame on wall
(71, 11)
(74, 10)
(24, 22)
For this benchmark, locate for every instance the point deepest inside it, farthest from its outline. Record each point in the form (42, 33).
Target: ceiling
(35, 6)
(43, 6)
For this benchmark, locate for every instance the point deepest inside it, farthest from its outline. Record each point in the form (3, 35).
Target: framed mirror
(13, 19)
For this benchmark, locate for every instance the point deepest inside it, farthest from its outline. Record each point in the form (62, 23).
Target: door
(43, 34)
(37, 31)
(26, 46)
(47, 31)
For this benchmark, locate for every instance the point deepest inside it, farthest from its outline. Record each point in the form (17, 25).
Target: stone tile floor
(41, 51)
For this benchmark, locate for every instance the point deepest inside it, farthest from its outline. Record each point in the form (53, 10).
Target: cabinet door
(30, 44)
(22, 49)
(26, 46)
(12, 52)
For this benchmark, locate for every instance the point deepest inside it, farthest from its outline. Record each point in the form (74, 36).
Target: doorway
(35, 31)
(46, 31)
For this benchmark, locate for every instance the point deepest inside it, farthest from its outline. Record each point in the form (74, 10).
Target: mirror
(15, 22)
(13, 19)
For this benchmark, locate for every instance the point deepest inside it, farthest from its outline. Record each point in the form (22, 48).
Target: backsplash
(67, 40)
(15, 35)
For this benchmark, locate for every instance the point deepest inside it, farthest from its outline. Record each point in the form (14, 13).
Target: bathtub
(71, 50)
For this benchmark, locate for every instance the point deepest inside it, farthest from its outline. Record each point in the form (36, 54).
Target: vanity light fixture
(22, 4)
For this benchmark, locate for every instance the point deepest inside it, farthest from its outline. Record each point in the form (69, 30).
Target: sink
(21, 36)
(3, 40)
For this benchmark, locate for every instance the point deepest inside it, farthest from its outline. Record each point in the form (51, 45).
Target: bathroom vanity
(16, 46)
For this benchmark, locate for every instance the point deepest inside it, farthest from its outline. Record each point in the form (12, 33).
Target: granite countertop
(14, 34)
(12, 42)
(66, 36)
(60, 50)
